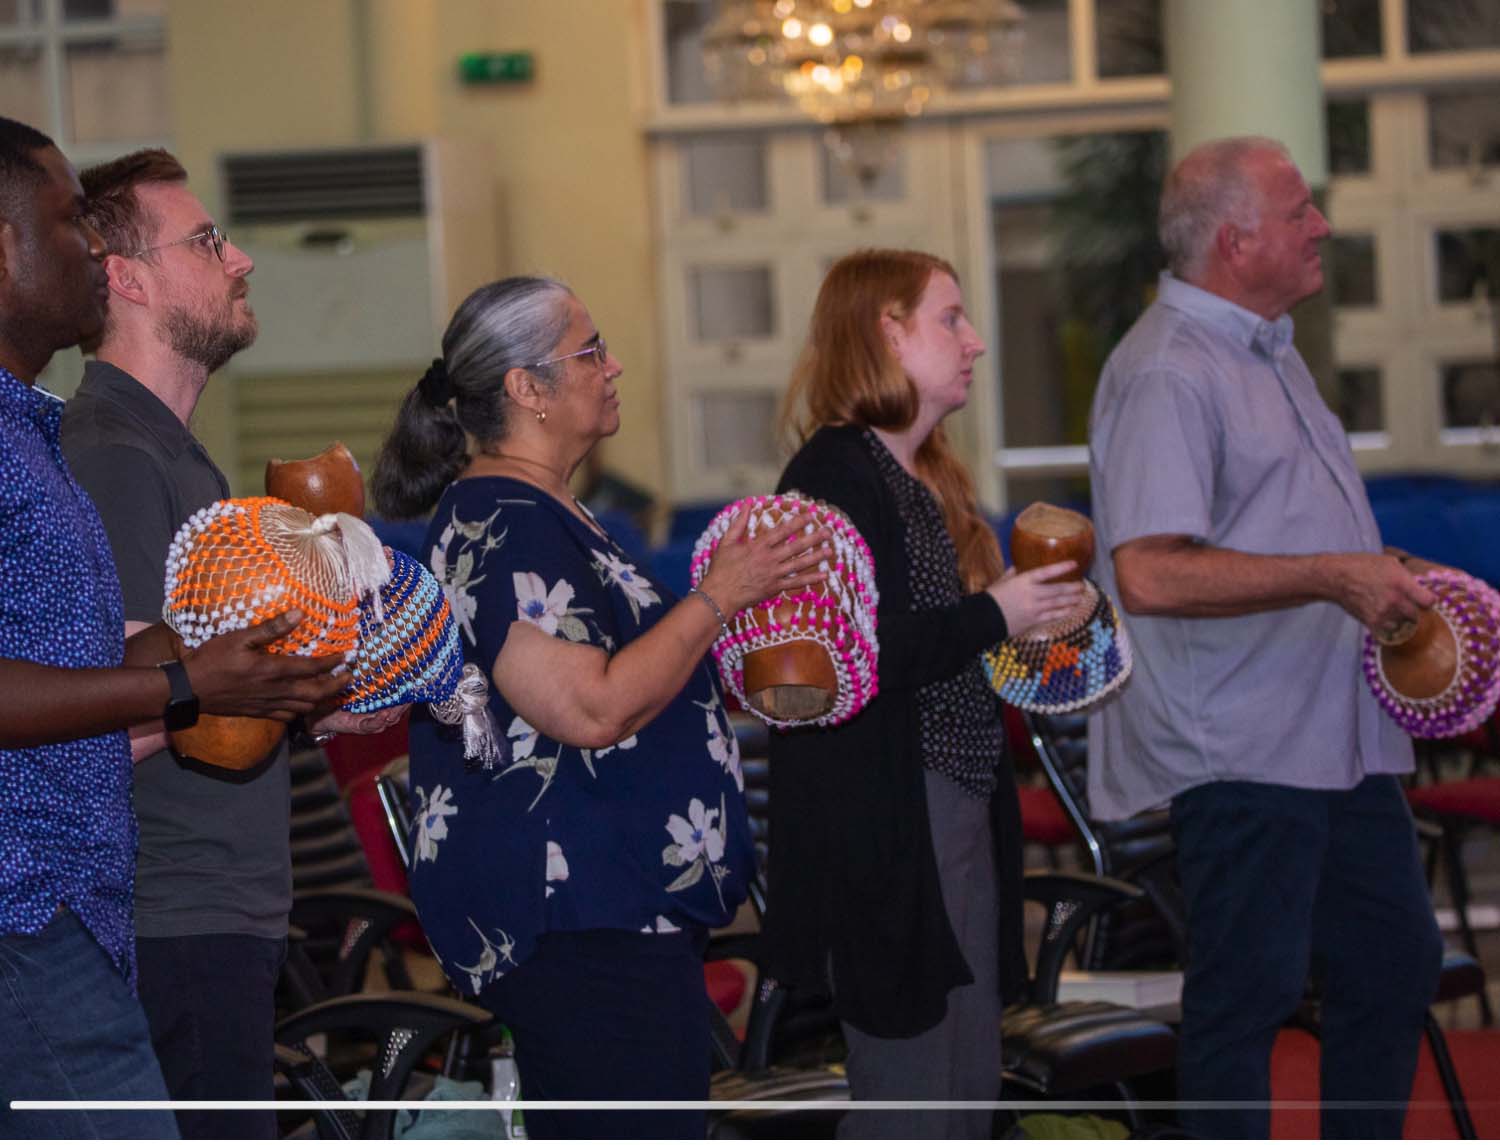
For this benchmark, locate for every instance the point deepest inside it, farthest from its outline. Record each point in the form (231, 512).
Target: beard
(210, 340)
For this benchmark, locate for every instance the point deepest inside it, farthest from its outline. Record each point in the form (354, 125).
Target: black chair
(390, 1034)
(1053, 1049)
(1143, 935)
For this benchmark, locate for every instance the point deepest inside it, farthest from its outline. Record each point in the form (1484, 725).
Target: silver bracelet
(723, 624)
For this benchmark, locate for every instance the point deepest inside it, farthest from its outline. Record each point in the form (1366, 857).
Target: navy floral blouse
(647, 835)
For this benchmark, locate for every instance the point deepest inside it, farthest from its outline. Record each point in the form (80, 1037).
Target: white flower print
(696, 835)
(663, 925)
(459, 578)
(523, 737)
(638, 591)
(557, 866)
(492, 956)
(698, 845)
(432, 820)
(623, 745)
(723, 747)
(535, 604)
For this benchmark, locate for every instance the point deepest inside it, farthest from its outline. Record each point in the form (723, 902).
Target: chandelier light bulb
(820, 35)
(792, 28)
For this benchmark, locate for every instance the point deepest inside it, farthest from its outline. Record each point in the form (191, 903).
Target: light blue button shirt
(1208, 424)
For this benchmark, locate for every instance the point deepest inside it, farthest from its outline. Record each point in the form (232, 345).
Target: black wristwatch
(182, 709)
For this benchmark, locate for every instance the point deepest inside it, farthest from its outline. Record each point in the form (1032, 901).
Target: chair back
(1138, 850)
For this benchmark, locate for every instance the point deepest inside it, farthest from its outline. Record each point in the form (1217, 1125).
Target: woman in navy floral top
(569, 885)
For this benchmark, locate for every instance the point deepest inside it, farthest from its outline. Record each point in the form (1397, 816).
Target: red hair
(847, 375)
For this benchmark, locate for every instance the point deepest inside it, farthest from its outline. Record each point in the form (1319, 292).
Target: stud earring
(541, 415)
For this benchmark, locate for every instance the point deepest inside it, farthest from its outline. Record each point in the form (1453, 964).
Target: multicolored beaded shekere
(837, 615)
(1073, 664)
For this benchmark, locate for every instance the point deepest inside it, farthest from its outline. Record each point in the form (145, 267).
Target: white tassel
(364, 557)
(469, 707)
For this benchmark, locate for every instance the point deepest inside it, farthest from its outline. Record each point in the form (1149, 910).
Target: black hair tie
(436, 390)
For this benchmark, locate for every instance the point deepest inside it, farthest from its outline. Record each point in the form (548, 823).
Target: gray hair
(1208, 188)
(516, 322)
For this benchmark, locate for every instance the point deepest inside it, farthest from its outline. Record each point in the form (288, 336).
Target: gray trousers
(959, 1058)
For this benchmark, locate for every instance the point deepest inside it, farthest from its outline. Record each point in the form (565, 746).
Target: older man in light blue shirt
(1235, 530)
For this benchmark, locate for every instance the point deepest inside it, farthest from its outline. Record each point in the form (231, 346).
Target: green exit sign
(496, 67)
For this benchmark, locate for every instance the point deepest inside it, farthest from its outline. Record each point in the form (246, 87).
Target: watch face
(180, 714)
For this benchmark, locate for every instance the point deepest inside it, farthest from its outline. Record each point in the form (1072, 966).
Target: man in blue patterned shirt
(69, 684)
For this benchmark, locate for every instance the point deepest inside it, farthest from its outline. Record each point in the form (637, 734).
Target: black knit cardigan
(853, 877)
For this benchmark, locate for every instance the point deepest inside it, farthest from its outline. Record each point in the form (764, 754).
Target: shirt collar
(106, 381)
(28, 401)
(1269, 339)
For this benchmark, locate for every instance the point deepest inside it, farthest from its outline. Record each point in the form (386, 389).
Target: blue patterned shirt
(67, 831)
(650, 834)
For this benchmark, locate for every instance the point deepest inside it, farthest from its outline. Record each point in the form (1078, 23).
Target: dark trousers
(609, 1015)
(71, 1030)
(1280, 881)
(210, 1001)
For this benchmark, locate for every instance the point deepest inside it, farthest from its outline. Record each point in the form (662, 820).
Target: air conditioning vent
(368, 183)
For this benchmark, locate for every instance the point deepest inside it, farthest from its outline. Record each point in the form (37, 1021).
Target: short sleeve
(508, 562)
(134, 500)
(1153, 452)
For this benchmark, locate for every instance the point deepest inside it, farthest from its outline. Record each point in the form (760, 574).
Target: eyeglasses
(599, 350)
(214, 235)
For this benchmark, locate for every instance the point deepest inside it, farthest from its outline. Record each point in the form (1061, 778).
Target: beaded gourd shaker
(1446, 681)
(820, 639)
(239, 562)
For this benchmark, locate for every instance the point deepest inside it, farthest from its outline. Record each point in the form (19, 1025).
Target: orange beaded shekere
(240, 562)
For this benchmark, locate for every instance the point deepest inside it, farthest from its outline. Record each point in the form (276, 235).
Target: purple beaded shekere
(1471, 609)
(837, 614)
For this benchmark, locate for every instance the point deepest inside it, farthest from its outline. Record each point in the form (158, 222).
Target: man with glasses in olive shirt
(214, 881)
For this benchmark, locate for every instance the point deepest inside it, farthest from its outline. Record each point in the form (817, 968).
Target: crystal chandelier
(848, 62)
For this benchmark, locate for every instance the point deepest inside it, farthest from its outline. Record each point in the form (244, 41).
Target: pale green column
(1248, 67)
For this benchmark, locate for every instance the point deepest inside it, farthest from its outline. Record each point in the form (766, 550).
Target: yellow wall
(569, 158)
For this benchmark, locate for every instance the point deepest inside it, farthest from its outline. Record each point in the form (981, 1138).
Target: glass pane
(1452, 25)
(1471, 395)
(118, 91)
(1130, 38)
(862, 164)
(1055, 489)
(1046, 55)
(1356, 397)
(739, 429)
(1463, 127)
(732, 302)
(1348, 136)
(19, 12)
(724, 173)
(21, 92)
(1353, 279)
(1351, 28)
(1074, 228)
(1468, 264)
(111, 9)
(683, 24)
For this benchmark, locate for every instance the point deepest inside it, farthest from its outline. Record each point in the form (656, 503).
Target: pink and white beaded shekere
(806, 657)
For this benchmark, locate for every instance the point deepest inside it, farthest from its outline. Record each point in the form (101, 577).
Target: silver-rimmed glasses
(599, 350)
(213, 234)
